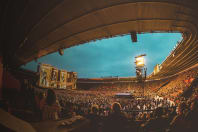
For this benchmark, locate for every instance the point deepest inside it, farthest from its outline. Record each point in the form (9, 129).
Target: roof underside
(34, 28)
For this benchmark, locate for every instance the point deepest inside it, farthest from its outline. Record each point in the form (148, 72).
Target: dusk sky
(113, 56)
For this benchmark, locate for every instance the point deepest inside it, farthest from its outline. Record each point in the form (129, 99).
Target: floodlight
(139, 58)
(139, 61)
(140, 69)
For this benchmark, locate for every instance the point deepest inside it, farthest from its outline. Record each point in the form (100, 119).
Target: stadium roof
(34, 28)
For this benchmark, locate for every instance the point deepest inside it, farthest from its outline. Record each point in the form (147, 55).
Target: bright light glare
(140, 61)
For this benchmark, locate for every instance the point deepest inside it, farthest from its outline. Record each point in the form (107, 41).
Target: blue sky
(113, 56)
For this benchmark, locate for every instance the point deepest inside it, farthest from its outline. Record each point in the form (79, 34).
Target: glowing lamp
(139, 61)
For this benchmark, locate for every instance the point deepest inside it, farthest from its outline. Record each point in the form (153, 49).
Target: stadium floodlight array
(139, 60)
(140, 70)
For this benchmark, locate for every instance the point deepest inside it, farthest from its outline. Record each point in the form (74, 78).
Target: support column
(1, 76)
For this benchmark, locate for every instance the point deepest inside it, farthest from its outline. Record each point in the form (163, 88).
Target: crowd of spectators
(162, 109)
(81, 103)
(156, 114)
(178, 84)
(168, 112)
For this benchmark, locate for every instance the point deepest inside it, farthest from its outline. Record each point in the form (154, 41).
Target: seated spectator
(116, 121)
(192, 116)
(51, 107)
(94, 119)
(179, 123)
(171, 114)
(158, 123)
(40, 101)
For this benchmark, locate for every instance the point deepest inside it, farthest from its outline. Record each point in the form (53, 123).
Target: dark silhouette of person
(95, 119)
(179, 123)
(51, 97)
(157, 124)
(116, 121)
(51, 107)
(192, 116)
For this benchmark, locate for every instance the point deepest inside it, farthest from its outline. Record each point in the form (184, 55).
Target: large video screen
(45, 75)
(62, 79)
(54, 77)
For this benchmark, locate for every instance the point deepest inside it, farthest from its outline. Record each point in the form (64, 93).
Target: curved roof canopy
(34, 28)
